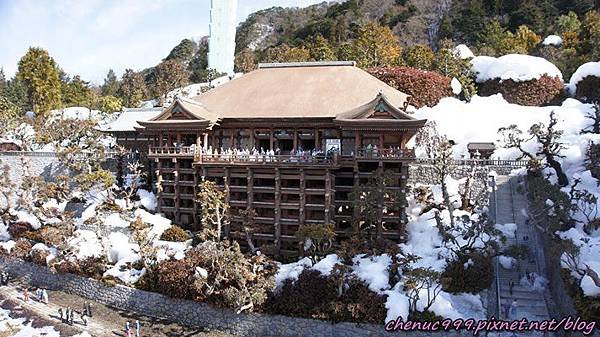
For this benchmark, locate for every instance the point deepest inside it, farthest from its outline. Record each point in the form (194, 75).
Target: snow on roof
(516, 67)
(127, 120)
(463, 52)
(77, 112)
(552, 40)
(585, 70)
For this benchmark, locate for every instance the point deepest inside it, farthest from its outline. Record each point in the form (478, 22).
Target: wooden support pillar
(177, 192)
(250, 187)
(160, 139)
(328, 196)
(205, 142)
(232, 139)
(381, 141)
(227, 182)
(196, 205)
(271, 139)
(317, 140)
(277, 222)
(355, 210)
(179, 138)
(252, 139)
(295, 140)
(357, 145)
(302, 211)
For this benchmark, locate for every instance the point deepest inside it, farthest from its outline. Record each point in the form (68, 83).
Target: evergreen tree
(376, 46)
(446, 29)
(40, 75)
(183, 52)
(16, 93)
(132, 89)
(418, 56)
(109, 104)
(77, 92)
(320, 49)
(567, 23)
(449, 64)
(285, 53)
(470, 21)
(245, 61)
(3, 83)
(169, 75)
(199, 64)
(525, 39)
(111, 84)
(529, 13)
(590, 35)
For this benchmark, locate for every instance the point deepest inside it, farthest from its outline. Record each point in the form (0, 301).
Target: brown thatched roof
(298, 90)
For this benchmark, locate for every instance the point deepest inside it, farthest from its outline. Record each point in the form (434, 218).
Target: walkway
(106, 321)
(511, 206)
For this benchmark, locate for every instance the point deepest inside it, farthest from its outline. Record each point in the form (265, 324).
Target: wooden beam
(356, 142)
(250, 187)
(381, 141)
(252, 139)
(328, 196)
(271, 139)
(196, 208)
(317, 140)
(277, 221)
(226, 182)
(302, 211)
(177, 193)
(295, 139)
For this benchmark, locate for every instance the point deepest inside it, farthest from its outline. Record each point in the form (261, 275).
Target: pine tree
(199, 63)
(528, 12)
(77, 92)
(590, 34)
(169, 75)
(16, 93)
(320, 49)
(40, 75)
(3, 83)
(132, 89)
(567, 23)
(376, 46)
(183, 52)
(471, 20)
(418, 56)
(111, 84)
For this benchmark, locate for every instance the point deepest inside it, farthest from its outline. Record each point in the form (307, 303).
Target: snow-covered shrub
(588, 307)
(585, 81)
(532, 92)
(471, 274)
(18, 229)
(426, 88)
(219, 273)
(175, 234)
(588, 89)
(21, 249)
(39, 256)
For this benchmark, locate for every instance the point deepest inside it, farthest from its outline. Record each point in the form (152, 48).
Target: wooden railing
(480, 162)
(385, 153)
(172, 150)
(265, 158)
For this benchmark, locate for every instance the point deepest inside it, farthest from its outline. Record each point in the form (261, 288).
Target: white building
(221, 43)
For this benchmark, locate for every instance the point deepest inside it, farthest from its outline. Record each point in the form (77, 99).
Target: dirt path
(106, 321)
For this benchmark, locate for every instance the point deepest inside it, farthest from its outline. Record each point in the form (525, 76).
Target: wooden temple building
(288, 140)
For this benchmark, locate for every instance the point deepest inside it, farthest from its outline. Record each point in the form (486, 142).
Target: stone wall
(190, 313)
(44, 164)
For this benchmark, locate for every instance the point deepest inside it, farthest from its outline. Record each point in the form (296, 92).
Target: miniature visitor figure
(26, 295)
(89, 309)
(127, 329)
(513, 309)
(38, 294)
(511, 285)
(506, 308)
(137, 328)
(45, 296)
(83, 318)
(60, 314)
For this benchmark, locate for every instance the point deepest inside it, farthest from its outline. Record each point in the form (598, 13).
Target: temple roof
(129, 118)
(298, 90)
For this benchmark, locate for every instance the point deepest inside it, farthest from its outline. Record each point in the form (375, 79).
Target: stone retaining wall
(190, 313)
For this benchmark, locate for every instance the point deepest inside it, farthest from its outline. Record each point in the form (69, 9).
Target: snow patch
(516, 67)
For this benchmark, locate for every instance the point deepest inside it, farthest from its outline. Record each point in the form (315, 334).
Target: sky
(88, 37)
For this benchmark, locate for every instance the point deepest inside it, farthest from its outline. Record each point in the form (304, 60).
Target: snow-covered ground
(21, 327)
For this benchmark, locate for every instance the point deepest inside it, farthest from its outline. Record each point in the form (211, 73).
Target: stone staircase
(511, 207)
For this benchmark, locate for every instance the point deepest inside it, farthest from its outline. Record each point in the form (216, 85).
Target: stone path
(105, 321)
(511, 206)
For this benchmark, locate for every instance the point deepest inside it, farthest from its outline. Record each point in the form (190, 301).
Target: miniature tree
(371, 201)
(7, 188)
(316, 240)
(419, 279)
(549, 146)
(214, 210)
(594, 116)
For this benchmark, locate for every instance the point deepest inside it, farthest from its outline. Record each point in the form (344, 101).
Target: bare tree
(419, 279)
(214, 210)
(549, 146)
(594, 116)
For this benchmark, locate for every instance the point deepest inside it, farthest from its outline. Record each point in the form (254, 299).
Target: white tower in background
(221, 41)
